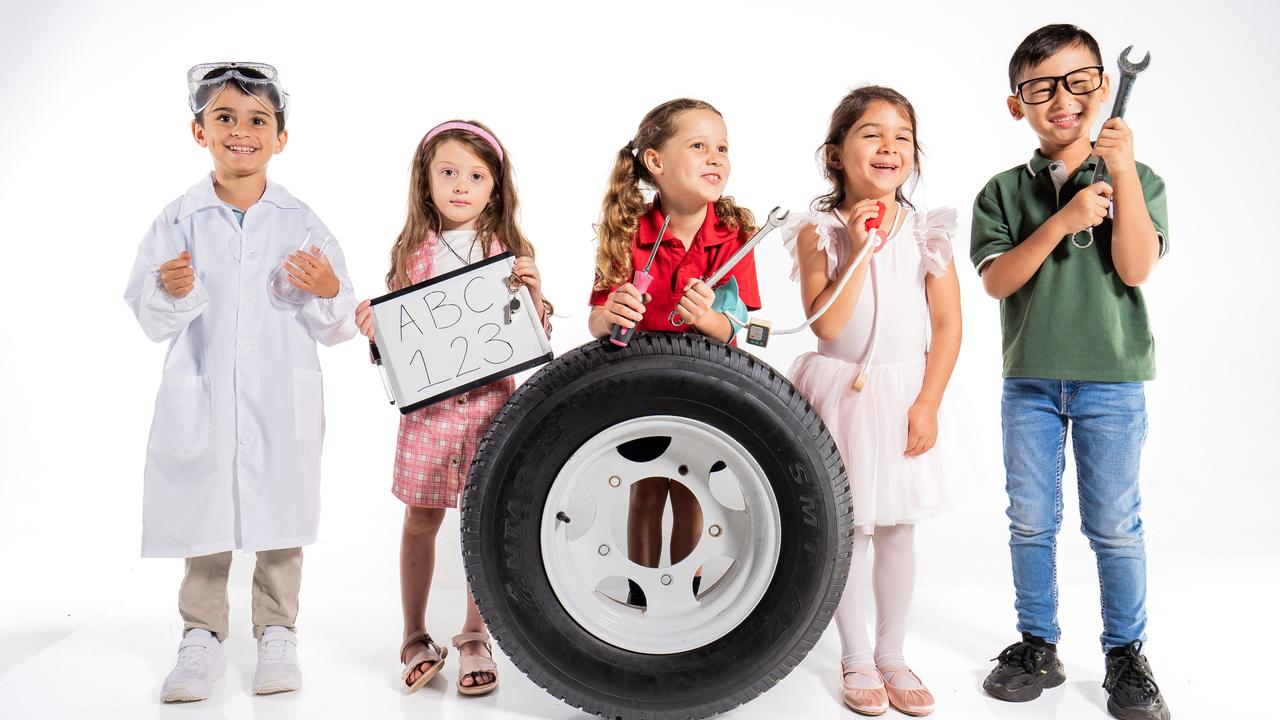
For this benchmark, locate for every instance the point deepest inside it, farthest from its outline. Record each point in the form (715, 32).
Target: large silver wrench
(1128, 73)
(773, 221)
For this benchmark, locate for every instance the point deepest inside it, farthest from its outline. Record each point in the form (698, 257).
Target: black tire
(592, 388)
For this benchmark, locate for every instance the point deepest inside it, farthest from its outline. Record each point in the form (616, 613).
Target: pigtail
(734, 216)
(619, 221)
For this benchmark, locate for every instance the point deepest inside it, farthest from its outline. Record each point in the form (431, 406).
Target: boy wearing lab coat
(233, 459)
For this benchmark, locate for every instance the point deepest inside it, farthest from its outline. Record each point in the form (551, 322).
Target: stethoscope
(874, 244)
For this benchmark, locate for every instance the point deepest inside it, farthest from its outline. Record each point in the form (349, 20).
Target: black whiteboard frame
(453, 392)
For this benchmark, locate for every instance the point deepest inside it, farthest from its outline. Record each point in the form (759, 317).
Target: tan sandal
(471, 664)
(431, 653)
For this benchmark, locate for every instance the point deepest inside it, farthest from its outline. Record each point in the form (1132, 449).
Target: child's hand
(858, 217)
(364, 318)
(922, 428)
(1115, 146)
(1088, 208)
(177, 275)
(527, 272)
(625, 306)
(696, 302)
(312, 272)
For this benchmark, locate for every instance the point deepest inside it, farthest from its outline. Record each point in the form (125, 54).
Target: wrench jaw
(1128, 67)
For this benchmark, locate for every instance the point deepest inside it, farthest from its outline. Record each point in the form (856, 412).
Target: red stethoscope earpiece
(874, 224)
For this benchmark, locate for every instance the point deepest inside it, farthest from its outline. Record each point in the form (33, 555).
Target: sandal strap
(463, 638)
(470, 664)
(476, 664)
(432, 646)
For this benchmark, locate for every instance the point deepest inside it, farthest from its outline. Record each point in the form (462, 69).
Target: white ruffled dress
(870, 427)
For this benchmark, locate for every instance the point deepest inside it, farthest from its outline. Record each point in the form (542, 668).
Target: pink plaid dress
(436, 443)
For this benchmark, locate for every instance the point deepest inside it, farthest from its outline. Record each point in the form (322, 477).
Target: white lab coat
(233, 460)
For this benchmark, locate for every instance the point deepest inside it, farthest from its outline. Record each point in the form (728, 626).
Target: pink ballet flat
(864, 701)
(909, 701)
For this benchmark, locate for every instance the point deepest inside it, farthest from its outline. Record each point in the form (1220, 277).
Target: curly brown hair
(624, 200)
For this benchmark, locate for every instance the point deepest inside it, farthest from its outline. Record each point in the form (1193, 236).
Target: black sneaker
(1131, 688)
(1024, 670)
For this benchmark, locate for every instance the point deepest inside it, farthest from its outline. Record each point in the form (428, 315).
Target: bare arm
(1006, 274)
(816, 286)
(943, 294)
(715, 325)
(1135, 245)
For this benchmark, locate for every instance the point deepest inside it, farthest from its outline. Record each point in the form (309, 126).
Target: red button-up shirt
(674, 266)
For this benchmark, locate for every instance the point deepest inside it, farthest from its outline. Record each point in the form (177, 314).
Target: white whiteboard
(447, 335)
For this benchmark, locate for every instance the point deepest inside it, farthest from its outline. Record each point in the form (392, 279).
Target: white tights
(893, 577)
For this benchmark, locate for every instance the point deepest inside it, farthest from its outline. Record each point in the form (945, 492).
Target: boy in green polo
(1077, 348)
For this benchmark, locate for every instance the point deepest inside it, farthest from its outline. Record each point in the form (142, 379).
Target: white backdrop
(95, 140)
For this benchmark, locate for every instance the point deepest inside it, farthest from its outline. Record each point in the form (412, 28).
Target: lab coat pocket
(182, 419)
(308, 404)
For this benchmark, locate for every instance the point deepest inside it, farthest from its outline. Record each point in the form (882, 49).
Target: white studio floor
(102, 651)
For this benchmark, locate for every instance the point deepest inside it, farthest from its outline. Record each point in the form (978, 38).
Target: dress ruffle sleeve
(933, 231)
(825, 226)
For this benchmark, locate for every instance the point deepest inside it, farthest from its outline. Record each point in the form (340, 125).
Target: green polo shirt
(1074, 319)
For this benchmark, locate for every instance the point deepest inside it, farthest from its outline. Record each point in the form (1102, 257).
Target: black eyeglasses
(1042, 89)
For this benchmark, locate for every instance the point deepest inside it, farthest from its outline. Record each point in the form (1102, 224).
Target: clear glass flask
(279, 279)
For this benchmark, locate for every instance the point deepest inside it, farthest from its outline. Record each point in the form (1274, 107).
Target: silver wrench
(1128, 73)
(774, 221)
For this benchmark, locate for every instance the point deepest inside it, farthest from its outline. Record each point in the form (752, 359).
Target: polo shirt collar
(1039, 162)
(201, 196)
(713, 232)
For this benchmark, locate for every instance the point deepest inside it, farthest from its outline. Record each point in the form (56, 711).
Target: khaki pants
(277, 577)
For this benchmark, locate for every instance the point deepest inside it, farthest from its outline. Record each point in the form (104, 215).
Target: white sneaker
(277, 662)
(200, 663)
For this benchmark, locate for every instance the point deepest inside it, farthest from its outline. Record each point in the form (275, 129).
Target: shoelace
(193, 657)
(1021, 653)
(1130, 672)
(273, 651)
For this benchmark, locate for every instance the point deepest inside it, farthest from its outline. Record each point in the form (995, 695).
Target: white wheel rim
(593, 491)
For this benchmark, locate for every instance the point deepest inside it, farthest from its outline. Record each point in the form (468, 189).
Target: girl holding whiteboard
(462, 209)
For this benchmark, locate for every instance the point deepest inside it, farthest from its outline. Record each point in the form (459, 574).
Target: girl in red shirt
(681, 150)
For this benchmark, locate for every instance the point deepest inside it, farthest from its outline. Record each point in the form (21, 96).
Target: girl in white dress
(887, 345)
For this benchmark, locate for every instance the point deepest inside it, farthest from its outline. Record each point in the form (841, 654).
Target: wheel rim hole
(615, 588)
(725, 487)
(664, 522)
(645, 449)
(711, 573)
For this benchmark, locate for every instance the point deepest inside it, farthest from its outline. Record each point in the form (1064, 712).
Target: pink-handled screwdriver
(621, 336)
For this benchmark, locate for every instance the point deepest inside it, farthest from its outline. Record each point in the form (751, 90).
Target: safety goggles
(259, 80)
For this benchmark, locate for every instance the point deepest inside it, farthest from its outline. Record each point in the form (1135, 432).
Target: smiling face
(240, 132)
(461, 185)
(1065, 119)
(877, 154)
(692, 166)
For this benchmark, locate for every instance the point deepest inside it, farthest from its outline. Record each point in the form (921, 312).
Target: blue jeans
(1108, 424)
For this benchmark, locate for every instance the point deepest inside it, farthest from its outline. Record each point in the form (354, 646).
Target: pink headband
(473, 129)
